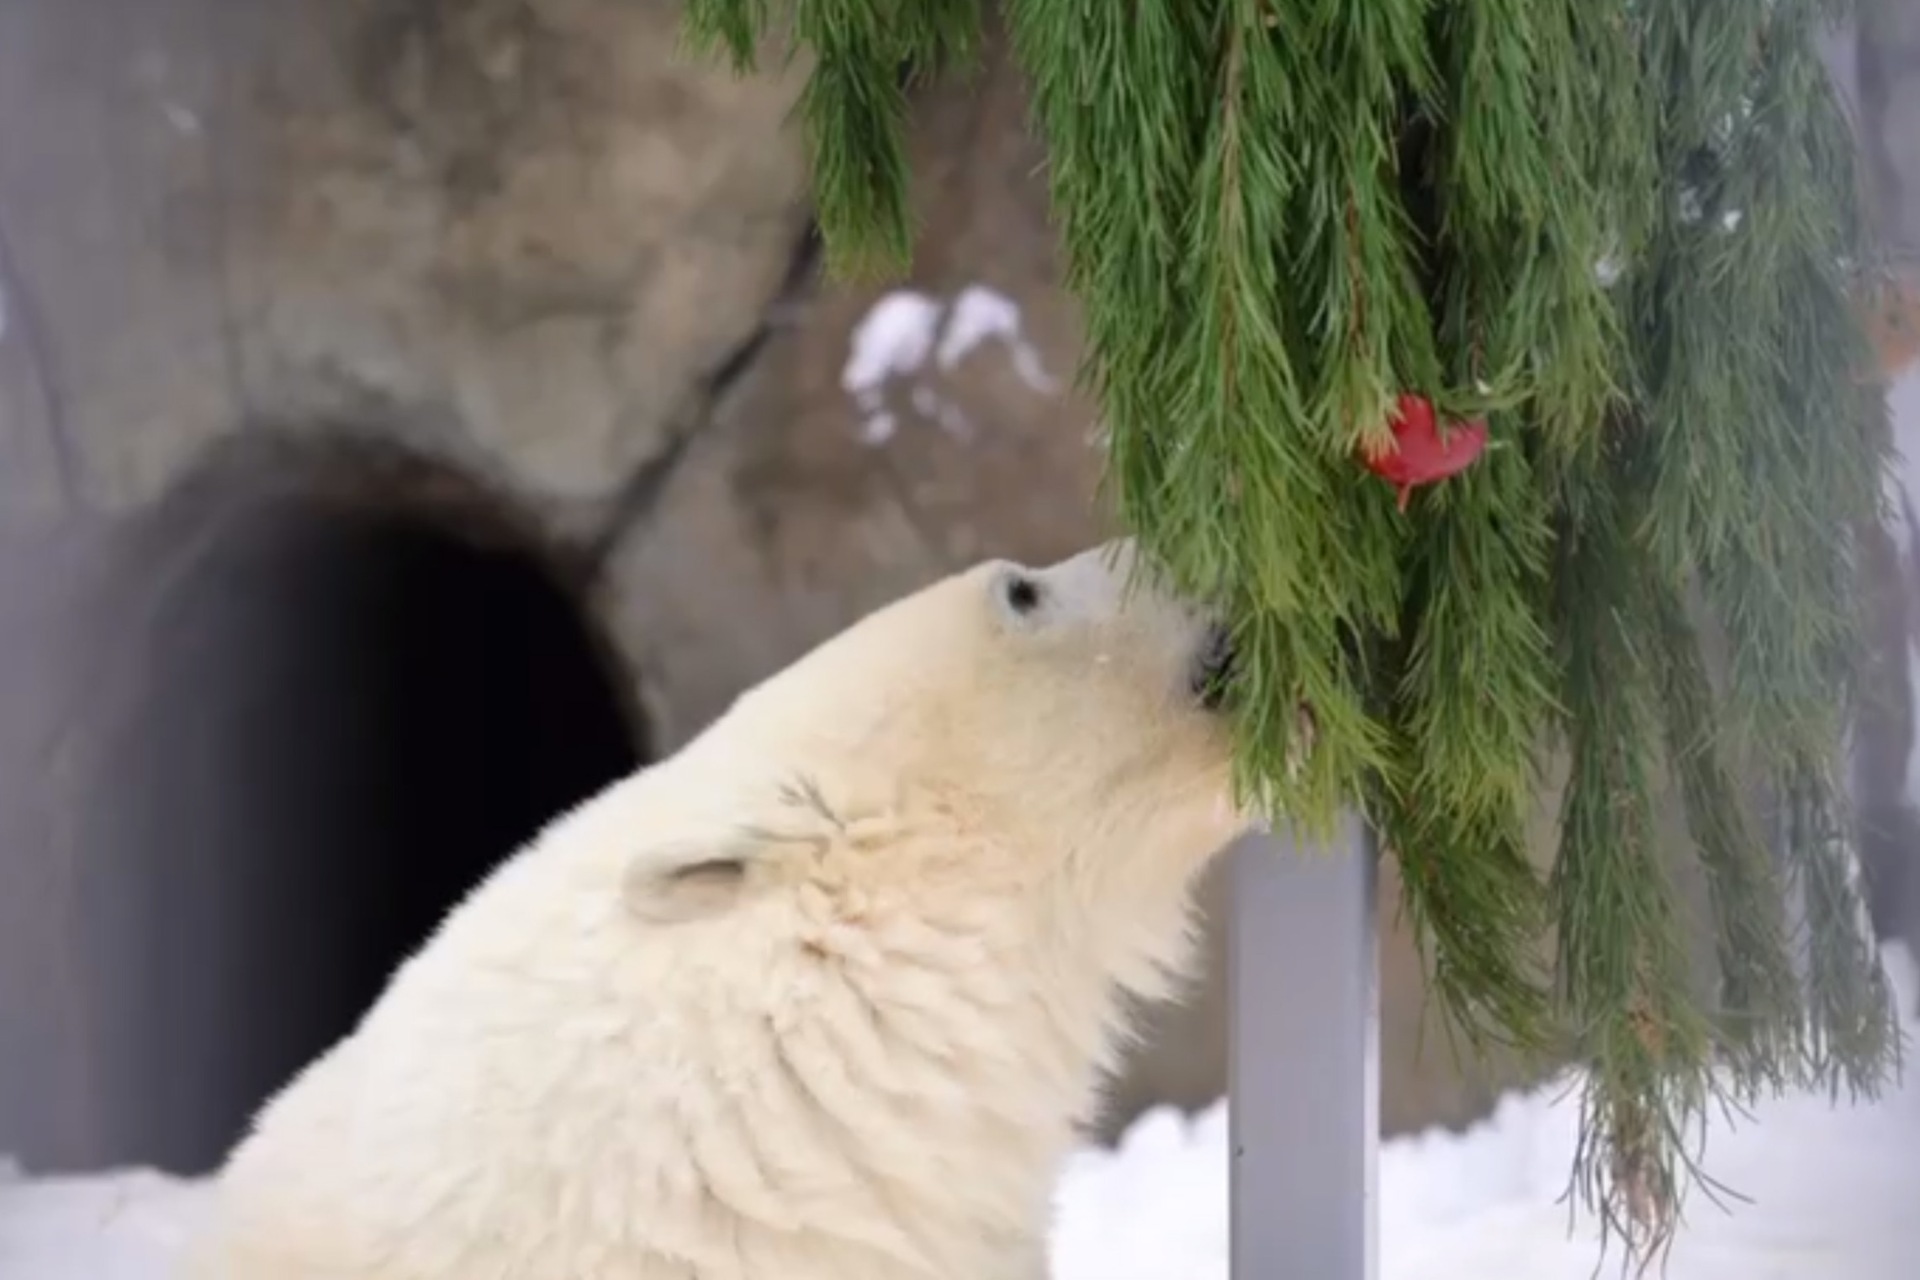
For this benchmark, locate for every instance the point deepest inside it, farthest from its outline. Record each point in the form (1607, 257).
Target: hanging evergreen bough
(1621, 235)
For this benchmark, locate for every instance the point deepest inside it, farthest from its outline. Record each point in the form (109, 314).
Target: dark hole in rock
(343, 718)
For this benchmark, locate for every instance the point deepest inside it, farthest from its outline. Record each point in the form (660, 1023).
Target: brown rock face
(1882, 78)
(883, 436)
(527, 228)
(1887, 69)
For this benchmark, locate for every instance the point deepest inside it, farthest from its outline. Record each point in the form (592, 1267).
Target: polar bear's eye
(1022, 592)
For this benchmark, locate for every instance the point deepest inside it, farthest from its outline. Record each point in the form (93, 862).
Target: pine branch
(1623, 969)
(1531, 200)
(1477, 677)
(854, 105)
(1761, 1012)
(1312, 579)
(733, 27)
(1628, 235)
(1476, 685)
(1853, 1029)
(1365, 333)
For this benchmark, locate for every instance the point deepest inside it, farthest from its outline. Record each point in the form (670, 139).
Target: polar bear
(820, 997)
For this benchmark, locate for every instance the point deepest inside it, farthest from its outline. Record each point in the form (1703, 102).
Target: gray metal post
(1304, 1077)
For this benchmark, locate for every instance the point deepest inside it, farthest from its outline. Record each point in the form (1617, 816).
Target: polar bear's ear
(691, 880)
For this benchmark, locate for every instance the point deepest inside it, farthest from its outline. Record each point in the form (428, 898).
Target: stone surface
(527, 229)
(45, 1071)
(788, 518)
(1881, 77)
(1886, 67)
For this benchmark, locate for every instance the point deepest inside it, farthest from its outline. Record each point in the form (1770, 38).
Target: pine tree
(1623, 234)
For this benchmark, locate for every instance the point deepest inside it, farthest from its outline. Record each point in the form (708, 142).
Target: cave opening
(344, 715)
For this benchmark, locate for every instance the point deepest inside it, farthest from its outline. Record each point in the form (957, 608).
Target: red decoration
(1418, 454)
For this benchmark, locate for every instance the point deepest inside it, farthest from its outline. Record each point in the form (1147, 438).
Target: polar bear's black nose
(1213, 667)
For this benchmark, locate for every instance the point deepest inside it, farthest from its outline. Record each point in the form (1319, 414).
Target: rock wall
(481, 218)
(1878, 70)
(1885, 71)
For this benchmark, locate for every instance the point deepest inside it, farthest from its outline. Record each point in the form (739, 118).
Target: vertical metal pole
(1304, 1078)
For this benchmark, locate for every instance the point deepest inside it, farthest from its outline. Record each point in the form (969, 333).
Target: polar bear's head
(1041, 745)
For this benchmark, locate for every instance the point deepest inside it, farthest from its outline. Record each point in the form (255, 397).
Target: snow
(119, 1226)
(892, 340)
(183, 119)
(1692, 206)
(907, 334)
(1823, 1189)
(979, 315)
(1829, 1190)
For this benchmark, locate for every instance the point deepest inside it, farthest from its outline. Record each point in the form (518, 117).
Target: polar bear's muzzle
(1213, 667)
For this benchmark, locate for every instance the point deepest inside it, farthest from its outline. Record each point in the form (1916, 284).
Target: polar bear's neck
(820, 1087)
(933, 1079)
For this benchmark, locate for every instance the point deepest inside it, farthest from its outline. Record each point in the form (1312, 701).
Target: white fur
(821, 997)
